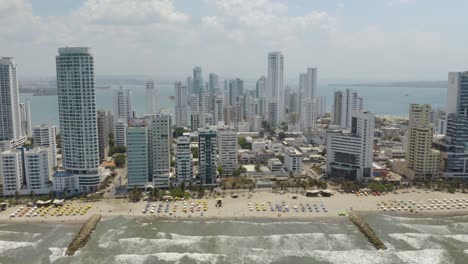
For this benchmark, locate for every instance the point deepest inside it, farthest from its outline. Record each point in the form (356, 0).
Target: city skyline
(343, 41)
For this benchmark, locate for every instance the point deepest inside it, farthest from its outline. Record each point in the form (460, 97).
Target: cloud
(398, 2)
(131, 12)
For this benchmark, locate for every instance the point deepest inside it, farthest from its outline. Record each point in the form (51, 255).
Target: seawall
(83, 235)
(366, 230)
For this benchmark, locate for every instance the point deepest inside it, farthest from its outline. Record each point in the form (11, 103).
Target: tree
(244, 144)
(135, 195)
(178, 131)
(220, 170)
(120, 160)
(194, 153)
(283, 126)
(257, 167)
(32, 195)
(281, 135)
(17, 195)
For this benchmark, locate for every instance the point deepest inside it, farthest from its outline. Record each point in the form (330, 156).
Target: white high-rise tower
(123, 112)
(152, 106)
(77, 115)
(25, 114)
(10, 121)
(275, 88)
(181, 107)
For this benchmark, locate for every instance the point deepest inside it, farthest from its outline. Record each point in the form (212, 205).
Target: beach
(270, 206)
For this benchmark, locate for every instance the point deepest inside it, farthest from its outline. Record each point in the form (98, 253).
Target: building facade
(103, 134)
(207, 155)
(422, 161)
(77, 115)
(181, 107)
(45, 136)
(123, 112)
(275, 88)
(345, 105)
(137, 154)
(160, 154)
(350, 153)
(227, 153)
(25, 116)
(152, 105)
(183, 161)
(293, 160)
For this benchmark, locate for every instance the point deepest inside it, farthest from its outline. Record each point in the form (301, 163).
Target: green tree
(220, 170)
(244, 144)
(178, 131)
(135, 195)
(120, 160)
(281, 135)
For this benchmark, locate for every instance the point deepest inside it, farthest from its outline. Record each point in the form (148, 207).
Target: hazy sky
(362, 40)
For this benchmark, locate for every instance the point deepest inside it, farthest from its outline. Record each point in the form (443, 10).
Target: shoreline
(263, 208)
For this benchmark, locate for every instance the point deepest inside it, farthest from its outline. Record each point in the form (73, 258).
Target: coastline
(237, 209)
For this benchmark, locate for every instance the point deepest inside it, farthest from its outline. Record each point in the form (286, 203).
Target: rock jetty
(366, 230)
(83, 235)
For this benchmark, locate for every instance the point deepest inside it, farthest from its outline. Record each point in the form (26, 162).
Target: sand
(237, 208)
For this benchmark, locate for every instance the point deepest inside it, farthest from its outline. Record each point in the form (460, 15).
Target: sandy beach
(238, 208)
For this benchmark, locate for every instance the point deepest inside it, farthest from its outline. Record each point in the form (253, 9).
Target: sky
(347, 40)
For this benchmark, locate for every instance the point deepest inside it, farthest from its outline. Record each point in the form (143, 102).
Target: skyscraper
(138, 135)
(181, 108)
(161, 136)
(77, 115)
(350, 153)
(421, 161)
(25, 114)
(183, 160)
(152, 105)
(453, 146)
(10, 121)
(103, 134)
(275, 88)
(123, 112)
(228, 151)
(207, 155)
(310, 85)
(197, 82)
(213, 86)
(194, 112)
(346, 103)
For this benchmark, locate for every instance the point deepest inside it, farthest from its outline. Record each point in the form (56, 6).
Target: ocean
(379, 100)
(137, 240)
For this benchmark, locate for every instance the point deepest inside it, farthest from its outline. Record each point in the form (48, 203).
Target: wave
(262, 256)
(168, 257)
(164, 242)
(428, 241)
(56, 253)
(10, 245)
(430, 229)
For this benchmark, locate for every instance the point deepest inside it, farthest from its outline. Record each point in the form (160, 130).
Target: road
(119, 180)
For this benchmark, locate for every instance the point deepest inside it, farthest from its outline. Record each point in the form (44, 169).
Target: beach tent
(58, 202)
(326, 193)
(3, 206)
(312, 193)
(43, 203)
(219, 202)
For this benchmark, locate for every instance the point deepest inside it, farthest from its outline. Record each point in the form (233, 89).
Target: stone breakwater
(366, 230)
(83, 235)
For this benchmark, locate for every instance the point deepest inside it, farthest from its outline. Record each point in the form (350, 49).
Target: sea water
(379, 100)
(140, 240)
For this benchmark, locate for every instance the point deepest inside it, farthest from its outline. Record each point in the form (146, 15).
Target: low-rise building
(262, 156)
(292, 160)
(64, 181)
(274, 164)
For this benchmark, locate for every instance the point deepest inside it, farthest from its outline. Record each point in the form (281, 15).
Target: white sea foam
(9, 245)
(168, 257)
(417, 240)
(426, 256)
(430, 229)
(56, 253)
(460, 237)
(5, 232)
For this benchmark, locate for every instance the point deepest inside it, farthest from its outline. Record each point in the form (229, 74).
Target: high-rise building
(138, 154)
(194, 112)
(218, 111)
(275, 88)
(183, 160)
(10, 121)
(346, 103)
(260, 88)
(181, 108)
(213, 87)
(77, 116)
(123, 112)
(25, 116)
(350, 153)
(197, 87)
(453, 146)
(152, 106)
(25, 171)
(310, 85)
(421, 161)
(207, 155)
(227, 151)
(44, 136)
(161, 136)
(103, 134)
(206, 113)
